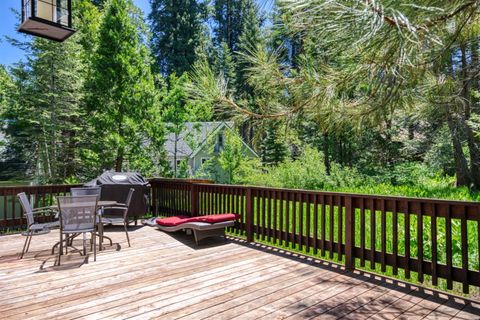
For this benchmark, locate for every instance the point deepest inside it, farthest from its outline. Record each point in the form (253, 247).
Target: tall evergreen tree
(45, 124)
(123, 102)
(250, 38)
(228, 16)
(226, 67)
(273, 148)
(176, 32)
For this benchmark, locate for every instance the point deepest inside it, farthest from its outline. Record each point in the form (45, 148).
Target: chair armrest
(117, 207)
(42, 209)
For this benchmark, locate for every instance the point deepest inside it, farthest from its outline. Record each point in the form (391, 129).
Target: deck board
(165, 276)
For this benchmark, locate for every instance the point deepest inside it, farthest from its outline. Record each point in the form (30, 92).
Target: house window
(203, 160)
(179, 162)
(220, 140)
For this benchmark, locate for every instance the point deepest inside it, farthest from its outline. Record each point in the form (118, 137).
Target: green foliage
(273, 149)
(308, 172)
(226, 67)
(176, 32)
(46, 122)
(123, 102)
(183, 169)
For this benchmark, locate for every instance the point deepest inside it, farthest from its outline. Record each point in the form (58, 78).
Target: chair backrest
(27, 208)
(129, 197)
(77, 213)
(87, 191)
(127, 203)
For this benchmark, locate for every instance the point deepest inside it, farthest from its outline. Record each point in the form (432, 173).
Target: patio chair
(86, 191)
(34, 228)
(78, 214)
(123, 209)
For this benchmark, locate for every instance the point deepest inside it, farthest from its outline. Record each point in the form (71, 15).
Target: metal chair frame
(33, 228)
(86, 212)
(121, 207)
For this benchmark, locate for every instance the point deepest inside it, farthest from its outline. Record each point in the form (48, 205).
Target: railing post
(349, 234)
(153, 198)
(249, 215)
(194, 199)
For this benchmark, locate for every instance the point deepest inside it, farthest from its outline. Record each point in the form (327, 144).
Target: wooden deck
(164, 276)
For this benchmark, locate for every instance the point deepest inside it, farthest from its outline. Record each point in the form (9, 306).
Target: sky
(8, 22)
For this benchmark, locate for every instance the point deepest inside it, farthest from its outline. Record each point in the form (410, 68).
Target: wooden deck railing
(11, 215)
(434, 240)
(425, 239)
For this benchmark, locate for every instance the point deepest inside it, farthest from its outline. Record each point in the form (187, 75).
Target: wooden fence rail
(427, 239)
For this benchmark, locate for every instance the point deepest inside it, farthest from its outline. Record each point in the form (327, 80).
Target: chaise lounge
(202, 226)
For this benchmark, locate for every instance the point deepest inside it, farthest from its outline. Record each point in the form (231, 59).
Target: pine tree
(273, 148)
(46, 122)
(250, 39)
(176, 33)
(123, 102)
(226, 67)
(228, 16)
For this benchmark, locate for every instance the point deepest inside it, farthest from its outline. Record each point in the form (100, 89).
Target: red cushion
(172, 221)
(178, 220)
(215, 218)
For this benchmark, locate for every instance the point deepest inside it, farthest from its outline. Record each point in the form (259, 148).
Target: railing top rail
(353, 195)
(45, 186)
(186, 181)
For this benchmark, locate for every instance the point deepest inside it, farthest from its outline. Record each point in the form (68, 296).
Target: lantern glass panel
(49, 19)
(52, 10)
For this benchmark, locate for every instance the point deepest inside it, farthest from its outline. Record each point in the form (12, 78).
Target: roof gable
(198, 131)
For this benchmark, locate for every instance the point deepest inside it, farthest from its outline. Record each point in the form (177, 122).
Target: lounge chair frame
(201, 230)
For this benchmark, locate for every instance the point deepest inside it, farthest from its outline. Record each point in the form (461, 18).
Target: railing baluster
(420, 243)
(257, 213)
(433, 228)
(448, 247)
(339, 227)
(464, 234)
(384, 236)
(332, 224)
(294, 220)
(407, 240)
(307, 225)
(275, 226)
(395, 237)
(322, 244)
(362, 232)
(287, 217)
(373, 231)
(315, 224)
(301, 216)
(269, 216)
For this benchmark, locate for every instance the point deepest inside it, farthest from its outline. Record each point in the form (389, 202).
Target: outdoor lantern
(50, 19)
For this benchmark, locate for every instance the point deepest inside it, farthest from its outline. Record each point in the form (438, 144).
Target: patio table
(100, 222)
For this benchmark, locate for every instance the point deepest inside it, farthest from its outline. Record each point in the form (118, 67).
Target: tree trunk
(70, 163)
(461, 167)
(326, 153)
(470, 135)
(121, 148)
